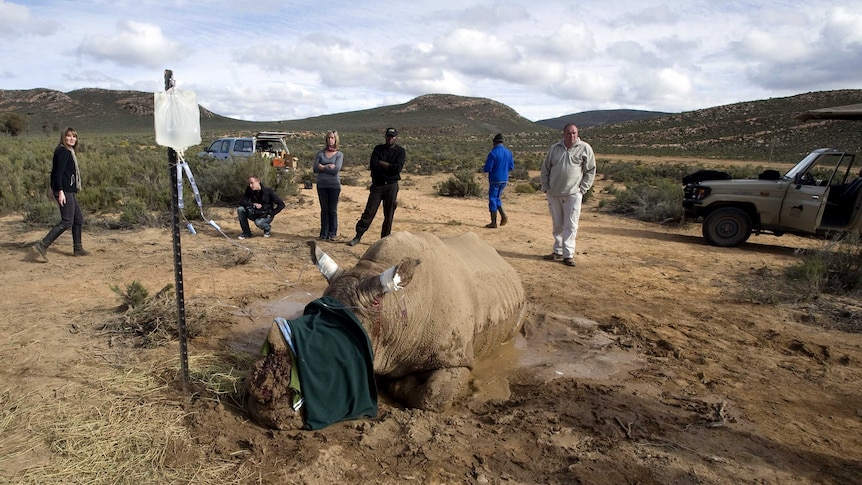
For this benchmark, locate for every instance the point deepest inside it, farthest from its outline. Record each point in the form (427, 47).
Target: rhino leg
(432, 390)
(269, 393)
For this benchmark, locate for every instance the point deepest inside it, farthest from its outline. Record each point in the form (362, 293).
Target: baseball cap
(391, 132)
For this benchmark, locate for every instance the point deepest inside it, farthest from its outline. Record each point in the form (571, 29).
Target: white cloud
(13, 14)
(586, 85)
(843, 27)
(568, 42)
(663, 14)
(536, 56)
(827, 54)
(442, 82)
(277, 102)
(486, 16)
(133, 44)
(765, 46)
(17, 21)
(632, 52)
(473, 50)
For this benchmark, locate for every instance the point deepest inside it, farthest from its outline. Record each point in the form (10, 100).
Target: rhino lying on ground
(429, 306)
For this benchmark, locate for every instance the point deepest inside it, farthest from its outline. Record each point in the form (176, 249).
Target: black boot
(78, 248)
(41, 247)
(493, 223)
(503, 219)
(354, 241)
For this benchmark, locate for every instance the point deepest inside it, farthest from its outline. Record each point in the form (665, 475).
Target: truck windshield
(802, 165)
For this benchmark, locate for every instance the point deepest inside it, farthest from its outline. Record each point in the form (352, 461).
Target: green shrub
(588, 195)
(135, 213)
(225, 181)
(462, 184)
(350, 179)
(42, 213)
(835, 268)
(649, 202)
(639, 172)
(133, 296)
(525, 188)
(520, 172)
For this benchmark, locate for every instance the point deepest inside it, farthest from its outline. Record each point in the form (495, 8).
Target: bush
(835, 268)
(525, 189)
(135, 213)
(43, 213)
(519, 172)
(639, 172)
(350, 179)
(462, 184)
(14, 123)
(225, 181)
(649, 202)
(152, 320)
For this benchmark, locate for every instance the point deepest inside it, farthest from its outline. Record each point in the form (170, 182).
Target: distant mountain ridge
(430, 114)
(761, 130)
(111, 111)
(588, 119)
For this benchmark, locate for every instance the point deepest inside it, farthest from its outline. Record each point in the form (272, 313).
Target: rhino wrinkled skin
(457, 299)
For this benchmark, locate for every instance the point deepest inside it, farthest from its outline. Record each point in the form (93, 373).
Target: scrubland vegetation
(127, 184)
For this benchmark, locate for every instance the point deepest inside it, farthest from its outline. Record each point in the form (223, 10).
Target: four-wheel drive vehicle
(817, 196)
(269, 144)
(822, 194)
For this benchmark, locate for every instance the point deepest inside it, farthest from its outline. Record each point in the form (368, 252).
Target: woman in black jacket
(65, 184)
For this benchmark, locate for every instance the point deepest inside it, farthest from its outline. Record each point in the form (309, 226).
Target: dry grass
(221, 376)
(151, 321)
(125, 427)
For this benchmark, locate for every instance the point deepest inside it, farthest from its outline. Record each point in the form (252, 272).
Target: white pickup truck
(269, 144)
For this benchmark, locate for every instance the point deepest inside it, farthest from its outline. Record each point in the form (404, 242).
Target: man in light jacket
(567, 174)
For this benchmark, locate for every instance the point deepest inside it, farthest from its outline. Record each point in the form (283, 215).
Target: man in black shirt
(260, 204)
(387, 160)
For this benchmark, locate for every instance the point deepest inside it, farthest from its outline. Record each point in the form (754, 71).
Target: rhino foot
(432, 390)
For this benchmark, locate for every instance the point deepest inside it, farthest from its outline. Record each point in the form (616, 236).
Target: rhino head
(365, 282)
(270, 396)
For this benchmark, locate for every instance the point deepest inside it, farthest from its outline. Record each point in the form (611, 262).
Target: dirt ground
(647, 363)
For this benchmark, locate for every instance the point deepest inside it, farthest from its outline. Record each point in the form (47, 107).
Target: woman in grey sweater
(327, 164)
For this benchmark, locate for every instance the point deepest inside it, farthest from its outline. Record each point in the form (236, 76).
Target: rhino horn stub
(327, 266)
(316, 252)
(396, 277)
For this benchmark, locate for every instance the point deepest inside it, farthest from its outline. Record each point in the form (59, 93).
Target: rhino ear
(327, 266)
(406, 269)
(398, 276)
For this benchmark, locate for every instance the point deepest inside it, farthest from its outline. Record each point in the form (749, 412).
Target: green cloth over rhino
(334, 361)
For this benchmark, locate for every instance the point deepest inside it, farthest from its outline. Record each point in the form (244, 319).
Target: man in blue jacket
(498, 165)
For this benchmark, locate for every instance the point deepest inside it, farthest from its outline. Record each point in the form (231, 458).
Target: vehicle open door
(808, 198)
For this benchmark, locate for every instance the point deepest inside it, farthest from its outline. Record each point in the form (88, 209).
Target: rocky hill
(588, 119)
(761, 130)
(132, 111)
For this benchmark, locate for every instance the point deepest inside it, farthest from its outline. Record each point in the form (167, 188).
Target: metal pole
(178, 254)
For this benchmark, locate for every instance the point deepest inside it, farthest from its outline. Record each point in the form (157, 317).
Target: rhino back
(499, 297)
(463, 300)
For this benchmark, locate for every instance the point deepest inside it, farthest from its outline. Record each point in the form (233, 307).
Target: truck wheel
(727, 227)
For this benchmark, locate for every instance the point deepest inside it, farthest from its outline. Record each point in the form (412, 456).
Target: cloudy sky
(275, 60)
